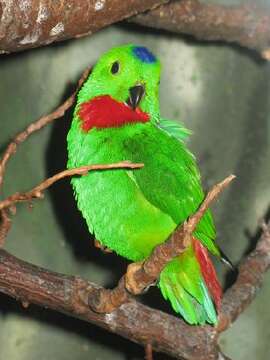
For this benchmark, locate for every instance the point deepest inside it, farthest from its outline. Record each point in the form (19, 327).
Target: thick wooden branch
(42, 22)
(247, 25)
(68, 294)
(141, 324)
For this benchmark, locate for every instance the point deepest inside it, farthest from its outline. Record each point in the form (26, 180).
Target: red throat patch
(104, 112)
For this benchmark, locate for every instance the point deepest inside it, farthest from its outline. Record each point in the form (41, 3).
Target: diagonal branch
(38, 125)
(139, 323)
(249, 281)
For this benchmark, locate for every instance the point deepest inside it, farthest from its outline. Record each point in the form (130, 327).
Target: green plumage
(131, 211)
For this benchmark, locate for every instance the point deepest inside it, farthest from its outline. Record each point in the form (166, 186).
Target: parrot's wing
(175, 129)
(170, 179)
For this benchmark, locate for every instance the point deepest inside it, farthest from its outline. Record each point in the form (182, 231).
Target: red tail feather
(208, 272)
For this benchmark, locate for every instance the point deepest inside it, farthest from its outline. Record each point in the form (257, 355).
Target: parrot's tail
(190, 283)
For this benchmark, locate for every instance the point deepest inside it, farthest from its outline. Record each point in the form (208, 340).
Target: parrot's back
(131, 211)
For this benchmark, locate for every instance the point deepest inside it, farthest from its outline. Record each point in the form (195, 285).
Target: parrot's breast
(111, 201)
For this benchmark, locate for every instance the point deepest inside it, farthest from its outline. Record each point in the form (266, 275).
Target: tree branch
(139, 323)
(148, 352)
(249, 281)
(44, 21)
(246, 25)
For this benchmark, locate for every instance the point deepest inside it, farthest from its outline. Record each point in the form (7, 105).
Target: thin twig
(141, 275)
(222, 356)
(148, 351)
(210, 197)
(37, 191)
(37, 125)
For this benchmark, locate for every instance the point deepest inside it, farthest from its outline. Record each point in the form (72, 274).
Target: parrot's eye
(115, 67)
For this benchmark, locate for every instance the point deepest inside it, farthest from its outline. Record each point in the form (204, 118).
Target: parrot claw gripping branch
(72, 295)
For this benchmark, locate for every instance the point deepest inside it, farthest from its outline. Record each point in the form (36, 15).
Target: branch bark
(249, 281)
(40, 22)
(44, 21)
(141, 324)
(246, 25)
(5, 225)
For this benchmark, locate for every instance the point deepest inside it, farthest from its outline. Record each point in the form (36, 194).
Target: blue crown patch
(144, 54)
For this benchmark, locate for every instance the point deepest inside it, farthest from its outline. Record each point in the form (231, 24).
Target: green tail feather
(182, 284)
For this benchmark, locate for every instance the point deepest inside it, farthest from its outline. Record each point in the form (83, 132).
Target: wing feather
(170, 179)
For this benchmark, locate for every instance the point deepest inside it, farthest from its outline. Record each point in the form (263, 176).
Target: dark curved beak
(135, 96)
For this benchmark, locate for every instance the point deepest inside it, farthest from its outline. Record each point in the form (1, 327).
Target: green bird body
(132, 211)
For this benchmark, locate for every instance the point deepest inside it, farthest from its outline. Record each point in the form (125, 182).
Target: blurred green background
(220, 92)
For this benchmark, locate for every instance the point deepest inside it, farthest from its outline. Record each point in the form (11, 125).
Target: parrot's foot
(105, 249)
(136, 279)
(134, 282)
(105, 301)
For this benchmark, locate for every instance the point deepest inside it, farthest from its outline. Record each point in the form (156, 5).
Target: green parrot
(117, 118)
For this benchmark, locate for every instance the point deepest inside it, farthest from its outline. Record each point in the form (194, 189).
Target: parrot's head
(122, 88)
